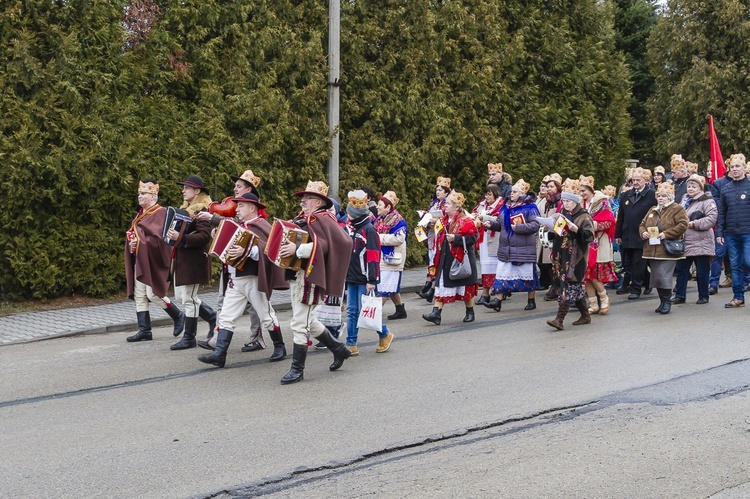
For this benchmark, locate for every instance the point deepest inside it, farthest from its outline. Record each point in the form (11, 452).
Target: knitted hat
(698, 179)
(357, 206)
(571, 190)
(521, 186)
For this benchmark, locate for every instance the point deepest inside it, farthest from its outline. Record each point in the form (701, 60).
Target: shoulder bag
(461, 270)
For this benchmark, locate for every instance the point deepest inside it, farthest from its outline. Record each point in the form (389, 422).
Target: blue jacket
(734, 209)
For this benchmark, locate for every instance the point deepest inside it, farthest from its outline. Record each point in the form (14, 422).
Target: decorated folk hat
(494, 168)
(195, 182)
(317, 189)
(691, 167)
(249, 197)
(248, 177)
(148, 186)
(660, 170)
(584, 181)
(389, 198)
(698, 179)
(555, 177)
(571, 189)
(357, 204)
(456, 198)
(737, 159)
(609, 191)
(665, 188)
(677, 162)
(521, 186)
(443, 182)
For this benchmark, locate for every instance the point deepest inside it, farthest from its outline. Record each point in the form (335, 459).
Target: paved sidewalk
(34, 326)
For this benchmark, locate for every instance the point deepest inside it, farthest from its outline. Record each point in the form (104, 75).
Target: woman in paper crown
(487, 209)
(573, 247)
(516, 250)
(392, 230)
(442, 190)
(666, 220)
(455, 242)
(601, 266)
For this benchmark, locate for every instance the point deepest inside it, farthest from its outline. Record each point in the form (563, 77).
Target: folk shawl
(150, 262)
(391, 223)
(528, 209)
(573, 247)
(492, 211)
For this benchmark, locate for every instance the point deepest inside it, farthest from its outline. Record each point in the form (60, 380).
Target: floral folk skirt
(515, 277)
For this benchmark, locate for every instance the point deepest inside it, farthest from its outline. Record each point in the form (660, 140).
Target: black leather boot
(482, 300)
(209, 315)
(433, 316)
(399, 314)
(177, 316)
(296, 373)
(666, 297)
(425, 289)
(531, 305)
(219, 356)
(188, 337)
(661, 301)
(340, 352)
(144, 328)
(624, 288)
(495, 304)
(469, 317)
(429, 295)
(583, 307)
(279, 348)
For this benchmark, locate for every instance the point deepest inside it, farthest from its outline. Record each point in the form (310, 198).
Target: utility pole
(334, 59)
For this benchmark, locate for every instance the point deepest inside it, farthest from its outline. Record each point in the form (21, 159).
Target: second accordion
(229, 234)
(282, 232)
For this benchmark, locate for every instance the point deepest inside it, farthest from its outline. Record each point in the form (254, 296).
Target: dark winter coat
(734, 209)
(192, 264)
(630, 214)
(364, 260)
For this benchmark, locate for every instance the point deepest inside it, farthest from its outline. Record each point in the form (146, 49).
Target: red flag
(717, 168)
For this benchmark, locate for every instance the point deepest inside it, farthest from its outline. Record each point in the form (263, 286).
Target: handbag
(460, 270)
(673, 247)
(329, 312)
(371, 313)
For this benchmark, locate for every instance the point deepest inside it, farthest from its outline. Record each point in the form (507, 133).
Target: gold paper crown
(148, 187)
(646, 174)
(319, 188)
(357, 199)
(677, 161)
(737, 159)
(456, 198)
(584, 181)
(660, 169)
(629, 173)
(609, 191)
(391, 196)
(665, 188)
(443, 182)
(248, 176)
(555, 177)
(494, 168)
(545, 179)
(571, 185)
(522, 186)
(701, 180)
(691, 167)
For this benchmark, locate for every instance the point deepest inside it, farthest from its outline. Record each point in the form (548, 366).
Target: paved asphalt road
(635, 405)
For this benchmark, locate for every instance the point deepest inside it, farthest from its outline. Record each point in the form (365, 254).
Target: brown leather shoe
(735, 303)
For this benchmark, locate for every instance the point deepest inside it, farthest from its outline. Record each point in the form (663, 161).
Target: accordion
(178, 220)
(229, 234)
(283, 231)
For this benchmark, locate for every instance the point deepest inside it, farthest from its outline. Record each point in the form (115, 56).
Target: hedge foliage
(95, 95)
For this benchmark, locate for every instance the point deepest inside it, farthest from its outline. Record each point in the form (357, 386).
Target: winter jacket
(673, 222)
(734, 209)
(364, 260)
(517, 245)
(699, 238)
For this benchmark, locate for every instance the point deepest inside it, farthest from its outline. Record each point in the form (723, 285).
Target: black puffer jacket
(734, 209)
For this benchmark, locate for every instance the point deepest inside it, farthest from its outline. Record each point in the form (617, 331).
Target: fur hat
(522, 186)
(318, 189)
(148, 186)
(584, 181)
(660, 169)
(699, 179)
(571, 190)
(248, 177)
(666, 188)
(456, 198)
(494, 168)
(357, 206)
(443, 182)
(389, 198)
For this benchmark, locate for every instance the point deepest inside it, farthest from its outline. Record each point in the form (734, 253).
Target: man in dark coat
(147, 259)
(323, 272)
(192, 264)
(634, 204)
(253, 281)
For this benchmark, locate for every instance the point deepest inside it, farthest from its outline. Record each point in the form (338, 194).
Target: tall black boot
(177, 316)
(399, 314)
(661, 301)
(469, 317)
(209, 315)
(425, 289)
(279, 349)
(219, 356)
(666, 296)
(296, 373)
(433, 316)
(144, 328)
(340, 352)
(188, 337)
